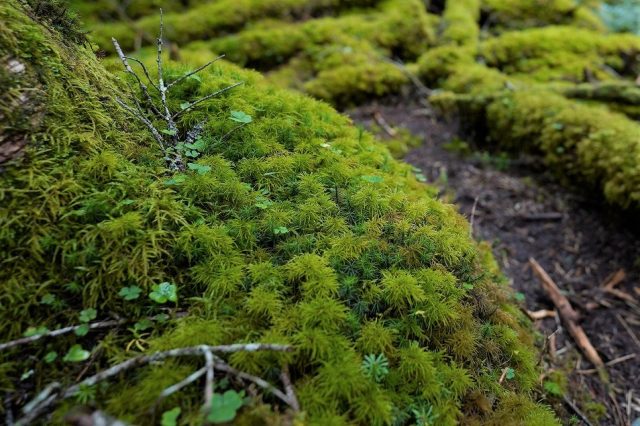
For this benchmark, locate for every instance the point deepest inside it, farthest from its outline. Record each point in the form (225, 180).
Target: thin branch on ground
(58, 332)
(50, 395)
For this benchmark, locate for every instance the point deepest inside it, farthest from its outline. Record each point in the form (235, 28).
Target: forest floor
(523, 213)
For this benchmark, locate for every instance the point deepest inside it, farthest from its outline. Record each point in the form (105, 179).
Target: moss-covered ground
(296, 228)
(346, 52)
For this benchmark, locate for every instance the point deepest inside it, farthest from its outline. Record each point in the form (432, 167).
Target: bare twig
(163, 89)
(576, 410)
(205, 98)
(144, 70)
(183, 383)
(628, 330)
(208, 387)
(377, 116)
(156, 134)
(473, 215)
(614, 279)
(197, 70)
(222, 366)
(609, 363)
(58, 332)
(288, 388)
(569, 316)
(50, 396)
(127, 67)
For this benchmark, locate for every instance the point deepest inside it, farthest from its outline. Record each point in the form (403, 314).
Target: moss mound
(296, 229)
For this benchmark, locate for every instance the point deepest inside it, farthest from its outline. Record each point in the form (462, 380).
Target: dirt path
(524, 214)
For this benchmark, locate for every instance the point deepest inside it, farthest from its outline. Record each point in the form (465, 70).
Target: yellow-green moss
(460, 19)
(563, 53)
(304, 231)
(518, 14)
(213, 19)
(586, 144)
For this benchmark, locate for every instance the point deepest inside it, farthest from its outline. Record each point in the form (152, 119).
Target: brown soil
(524, 214)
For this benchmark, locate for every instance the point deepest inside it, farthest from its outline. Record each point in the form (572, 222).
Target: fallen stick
(614, 279)
(541, 314)
(569, 316)
(377, 116)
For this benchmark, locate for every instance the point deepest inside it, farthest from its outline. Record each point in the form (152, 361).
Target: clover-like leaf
(170, 418)
(163, 293)
(87, 315)
(143, 324)
(185, 105)
(130, 293)
(82, 330)
(224, 407)
(200, 168)
(280, 230)
(48, 299)
(50, 357)
(177, 179)
(35, 331)
(241, 117)
(168, 132)
(76, 354)
(511, 373)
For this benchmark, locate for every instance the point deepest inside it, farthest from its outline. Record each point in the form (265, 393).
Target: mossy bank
(298, 229)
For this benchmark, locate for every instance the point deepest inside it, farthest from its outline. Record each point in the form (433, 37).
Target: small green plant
(130, 293)
(76, 354)
(170, 417)
(424, 415)
(224, 407)
(510, 374)
(85, 394)
(375, 367)
(163, 293)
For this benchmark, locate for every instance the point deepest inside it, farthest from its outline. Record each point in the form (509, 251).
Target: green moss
(518, 14)
(366, 250)
(212, 19)
(563, 53)
(586, 144)
(460, 19)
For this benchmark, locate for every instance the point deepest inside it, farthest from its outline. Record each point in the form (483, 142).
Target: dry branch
(51, 394)
(58, 332)
(568, 315)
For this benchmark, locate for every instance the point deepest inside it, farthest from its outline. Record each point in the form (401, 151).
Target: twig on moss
(156, 134)
(223, 366)
(183, 383)
(205, 98)
(288, 388)
(50, 395)
(196, 71)
(58, 332)
(127, 67)
(208, 386)
(162, 112)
